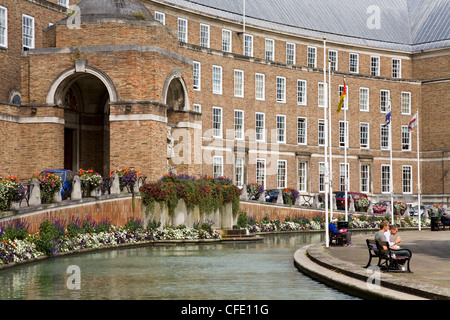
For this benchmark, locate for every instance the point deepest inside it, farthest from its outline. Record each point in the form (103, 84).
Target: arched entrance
(85, 98)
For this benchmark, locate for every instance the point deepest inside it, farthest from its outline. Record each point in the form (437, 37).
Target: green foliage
(50, 234)
(16, 230)
(242, 220)
(151, 225)
(133, 224)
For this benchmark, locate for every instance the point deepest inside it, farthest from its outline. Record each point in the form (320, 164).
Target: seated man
(384, 234)
(345, 232)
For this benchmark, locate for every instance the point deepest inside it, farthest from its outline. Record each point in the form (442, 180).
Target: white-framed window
(384, 137)
(217, 79)
(197, 76)
(226, 40)
(321, 176)
(364, 135)
(64, 3)
(363, 99)
(321, 133)
(239, 124)
(301, 131)
(182, 30)
(270, 49)
(344, 171)
(281, 173)
(354, 63)
(365, 178)
(406, 139)
(302, 176)
(217, 122)
(197, 108)
(320, 94)
(343, 134)
(261, 172)
(27, 31)
(239, 172)
(281, 89)
(385, 178)
(341, 89)
(204, 35)
(3, 27)
(238, 83)
(375, 66)
(301, 92)
(406, 103)
(311, 58)
(396, 68)
(260, 126)
(281, 128)
(259, 86)
(217, 166)
(407, 179)
(160, 17)
(384, 100)
(248, 45)
(290, 53)
(333, 57)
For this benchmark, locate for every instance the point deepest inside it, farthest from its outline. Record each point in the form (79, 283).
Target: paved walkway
(343, 267)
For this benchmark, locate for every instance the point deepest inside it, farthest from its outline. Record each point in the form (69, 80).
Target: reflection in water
(261, 270)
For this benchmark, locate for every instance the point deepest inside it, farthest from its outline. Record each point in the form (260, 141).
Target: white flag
(412, 123)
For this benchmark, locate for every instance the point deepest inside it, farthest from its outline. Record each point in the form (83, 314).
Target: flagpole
(329, 140)
(418, 173)
(391, 183)
(345, 150)
(326, 178)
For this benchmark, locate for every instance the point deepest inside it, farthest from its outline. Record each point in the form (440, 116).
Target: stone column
(115, 185)
(76, 188)
(35, 193)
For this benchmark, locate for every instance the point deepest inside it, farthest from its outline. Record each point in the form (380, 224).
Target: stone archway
(175, 92)
(85, 97)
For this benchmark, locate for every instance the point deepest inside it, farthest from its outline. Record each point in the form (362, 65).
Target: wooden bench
(387, 259)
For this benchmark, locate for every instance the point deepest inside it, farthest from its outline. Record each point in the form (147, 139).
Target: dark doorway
(68, 148)
(86, 115)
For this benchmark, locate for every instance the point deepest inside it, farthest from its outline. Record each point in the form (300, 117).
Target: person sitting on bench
(384, 234)
(345, 232)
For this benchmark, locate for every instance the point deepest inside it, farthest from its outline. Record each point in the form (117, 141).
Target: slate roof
(406, 25)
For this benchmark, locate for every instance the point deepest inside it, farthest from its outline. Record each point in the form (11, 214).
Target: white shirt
(387, 235)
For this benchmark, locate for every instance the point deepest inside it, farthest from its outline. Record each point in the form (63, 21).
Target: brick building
(202, 87)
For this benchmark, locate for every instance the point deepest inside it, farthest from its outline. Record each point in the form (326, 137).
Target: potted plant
(361, 204)
(399, 207)
(90, 181)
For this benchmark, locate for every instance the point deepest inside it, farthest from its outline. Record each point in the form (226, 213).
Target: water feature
(262, 270)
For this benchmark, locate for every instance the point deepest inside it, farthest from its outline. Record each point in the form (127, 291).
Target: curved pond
(261, 270)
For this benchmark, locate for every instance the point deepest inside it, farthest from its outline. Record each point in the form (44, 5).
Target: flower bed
(54, 238)
(317, 223)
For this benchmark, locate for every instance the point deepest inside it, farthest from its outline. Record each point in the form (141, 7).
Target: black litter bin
(434, 224)
(342, 225)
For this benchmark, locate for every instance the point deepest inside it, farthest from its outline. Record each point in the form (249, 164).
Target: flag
(412, 123)
(341, 99)
(388, 115)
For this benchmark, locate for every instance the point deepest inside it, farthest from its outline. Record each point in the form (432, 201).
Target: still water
(262, 270)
